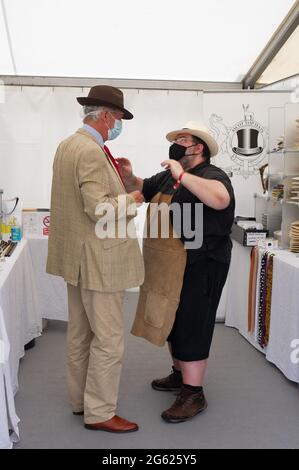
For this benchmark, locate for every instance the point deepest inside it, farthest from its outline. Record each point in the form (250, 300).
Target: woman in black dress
(183, 282)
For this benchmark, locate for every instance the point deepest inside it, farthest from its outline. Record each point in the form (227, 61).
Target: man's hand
(138, 196)
(131, 182)
(125, 167)
(174, 166)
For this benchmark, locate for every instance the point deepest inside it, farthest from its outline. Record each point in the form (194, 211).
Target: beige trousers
(95, 346)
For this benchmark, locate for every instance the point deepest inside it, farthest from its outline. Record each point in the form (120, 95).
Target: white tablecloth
(51, 289)
(20, 305)
(8, 417)
(284, 323)
(20, 319)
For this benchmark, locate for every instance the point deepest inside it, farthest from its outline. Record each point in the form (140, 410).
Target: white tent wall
(33, 120)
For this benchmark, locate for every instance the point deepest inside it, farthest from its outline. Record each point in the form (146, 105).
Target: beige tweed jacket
(83, 177)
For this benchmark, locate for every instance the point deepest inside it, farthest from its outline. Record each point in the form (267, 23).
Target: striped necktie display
(254, 256)
(264, 311)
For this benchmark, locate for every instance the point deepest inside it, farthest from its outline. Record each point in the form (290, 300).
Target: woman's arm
(211, 192)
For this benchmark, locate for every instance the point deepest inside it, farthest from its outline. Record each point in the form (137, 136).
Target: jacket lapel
(84, 132)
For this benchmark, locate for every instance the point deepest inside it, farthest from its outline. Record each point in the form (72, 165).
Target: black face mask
(177, 151)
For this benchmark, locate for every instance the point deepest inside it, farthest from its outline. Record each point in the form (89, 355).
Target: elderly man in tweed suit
(97, 270)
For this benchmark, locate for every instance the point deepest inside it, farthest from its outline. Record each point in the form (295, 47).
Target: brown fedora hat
(104, 95)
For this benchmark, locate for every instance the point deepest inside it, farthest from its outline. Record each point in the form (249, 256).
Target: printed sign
(36, 223)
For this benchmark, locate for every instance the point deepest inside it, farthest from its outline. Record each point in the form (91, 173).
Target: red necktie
(112, 159)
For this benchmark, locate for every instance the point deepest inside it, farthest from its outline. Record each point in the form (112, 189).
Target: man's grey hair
(92, 112)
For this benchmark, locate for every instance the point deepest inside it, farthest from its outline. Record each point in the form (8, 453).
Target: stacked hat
(294, 237)
(294, 189)
(278, 192)
(279, 144)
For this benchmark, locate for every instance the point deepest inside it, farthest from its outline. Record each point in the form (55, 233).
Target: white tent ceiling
(200, 40)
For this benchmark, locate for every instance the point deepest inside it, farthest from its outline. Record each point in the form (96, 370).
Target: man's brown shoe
(78, 413)
(115, 424)
(171, 383)
(187, 405)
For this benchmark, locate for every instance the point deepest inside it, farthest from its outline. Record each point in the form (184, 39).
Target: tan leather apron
(165, 262)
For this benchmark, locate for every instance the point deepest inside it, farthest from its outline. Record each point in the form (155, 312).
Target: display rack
(283, 164)
(1, 218)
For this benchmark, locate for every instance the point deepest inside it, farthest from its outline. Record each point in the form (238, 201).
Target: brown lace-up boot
(187, 405)
(171, 383)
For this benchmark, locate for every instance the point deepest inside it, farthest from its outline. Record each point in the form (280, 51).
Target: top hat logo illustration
(247, 142)
(244, 143)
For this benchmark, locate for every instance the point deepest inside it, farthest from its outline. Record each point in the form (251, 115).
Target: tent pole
(124, 83)
(9, 38)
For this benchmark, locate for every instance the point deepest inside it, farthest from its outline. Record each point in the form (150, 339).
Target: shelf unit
(283, 166)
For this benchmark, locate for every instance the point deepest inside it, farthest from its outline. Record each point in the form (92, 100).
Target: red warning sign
(46, 222)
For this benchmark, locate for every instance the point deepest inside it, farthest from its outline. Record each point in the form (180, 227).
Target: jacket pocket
(112, 242)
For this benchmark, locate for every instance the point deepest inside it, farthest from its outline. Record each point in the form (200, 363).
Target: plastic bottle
(16, 234)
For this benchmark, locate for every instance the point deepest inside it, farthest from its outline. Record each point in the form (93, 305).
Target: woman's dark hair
(206, 151)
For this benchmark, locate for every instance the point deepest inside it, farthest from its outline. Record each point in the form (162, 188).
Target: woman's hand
(174, 166)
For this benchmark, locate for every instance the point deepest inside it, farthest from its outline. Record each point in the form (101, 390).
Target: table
(20, 323)
(284, 323)
(8, 417)
(284, 331)
(51, 290)
(19, 301)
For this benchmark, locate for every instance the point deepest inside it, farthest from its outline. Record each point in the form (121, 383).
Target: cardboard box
(249, 237)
